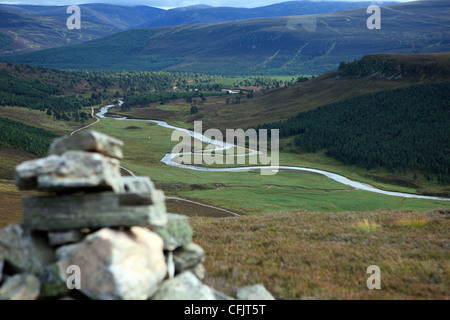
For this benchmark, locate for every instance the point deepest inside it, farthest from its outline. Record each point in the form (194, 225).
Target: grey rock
(52, 283)
(94, 210)
(199, 271)
(138, 184)
(72, 171)
(88, 140)
(184, 286)
(20, 287)
(170, 265)
(176, 232)
(27, 172)
(188, 257)
(254, 292)
(117, 264)
(220, 296)
(25, 250)
(60, 238)
(2, 262)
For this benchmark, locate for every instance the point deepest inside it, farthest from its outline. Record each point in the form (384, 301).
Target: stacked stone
(114, 229)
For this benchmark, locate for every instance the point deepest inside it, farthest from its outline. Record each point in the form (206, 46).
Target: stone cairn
(114, 229)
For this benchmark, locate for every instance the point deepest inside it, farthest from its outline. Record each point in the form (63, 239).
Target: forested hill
(25, 86)
(62, 93)
(286, 102)
(399, 129)
(415, 67)
(19, 136)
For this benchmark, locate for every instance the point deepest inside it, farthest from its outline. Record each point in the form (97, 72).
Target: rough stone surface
(170, 265)
(94, 210)
(118, 264)
(199, 271)
(2, 262)
(72, 171)
(188, 257)
(148, 254)
(20, 287)
(88, 140)
(176, 233)
(138, 184)
(185, 286)
(221, 296)
(255, 292)
(52, 283)
(25, 250)
(64, 237)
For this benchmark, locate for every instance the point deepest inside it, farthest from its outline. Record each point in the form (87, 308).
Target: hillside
(315, 255)
(120, 17)
(280, 104)
(5, 40)
(400, 129)
(19, 136)
(130, 17)
(310, 44)
(332, 86)
(31, 33)
(21, 87)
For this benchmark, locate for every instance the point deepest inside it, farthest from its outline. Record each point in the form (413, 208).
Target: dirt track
(194, 210)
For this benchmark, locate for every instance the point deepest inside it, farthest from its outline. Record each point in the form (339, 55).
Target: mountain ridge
(295, 45)
(207, 14)
(43, 27)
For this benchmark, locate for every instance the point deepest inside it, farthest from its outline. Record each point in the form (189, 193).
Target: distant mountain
(41, 27)
(31, 33)
(293, 45)
(207, 14)
(120, 17)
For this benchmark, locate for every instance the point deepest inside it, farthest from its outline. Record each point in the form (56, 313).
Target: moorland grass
(317, 255)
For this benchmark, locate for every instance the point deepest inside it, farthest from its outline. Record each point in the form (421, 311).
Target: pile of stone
(92, 233)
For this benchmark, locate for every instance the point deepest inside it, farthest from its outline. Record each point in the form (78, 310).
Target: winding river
(168, 160)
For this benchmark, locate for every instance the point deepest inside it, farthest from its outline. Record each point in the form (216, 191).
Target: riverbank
(168, 159)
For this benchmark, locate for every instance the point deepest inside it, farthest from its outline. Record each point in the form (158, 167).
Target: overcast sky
(163, 3)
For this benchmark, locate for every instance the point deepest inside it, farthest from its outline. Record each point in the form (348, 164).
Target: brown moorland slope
(283, 103)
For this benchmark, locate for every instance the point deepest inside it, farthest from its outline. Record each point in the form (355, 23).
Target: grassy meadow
(249, 192)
